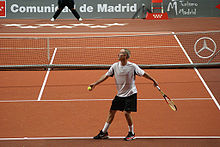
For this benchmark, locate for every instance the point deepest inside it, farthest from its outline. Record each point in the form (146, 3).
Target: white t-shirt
(125, 77)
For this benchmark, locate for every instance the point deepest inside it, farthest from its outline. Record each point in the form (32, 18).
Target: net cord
(104, 67)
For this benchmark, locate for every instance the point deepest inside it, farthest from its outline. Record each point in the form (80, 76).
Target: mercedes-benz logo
(202, 46)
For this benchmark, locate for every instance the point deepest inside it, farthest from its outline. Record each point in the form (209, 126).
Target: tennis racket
(168, 100)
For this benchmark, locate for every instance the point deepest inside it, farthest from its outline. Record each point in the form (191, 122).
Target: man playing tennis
(70, 4)
(126, 98)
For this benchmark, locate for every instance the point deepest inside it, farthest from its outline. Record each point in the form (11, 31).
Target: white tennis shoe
(80, 19)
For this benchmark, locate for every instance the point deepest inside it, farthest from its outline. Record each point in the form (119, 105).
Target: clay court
(54, 107)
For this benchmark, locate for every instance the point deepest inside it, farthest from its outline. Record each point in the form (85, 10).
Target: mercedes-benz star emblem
(210, 48)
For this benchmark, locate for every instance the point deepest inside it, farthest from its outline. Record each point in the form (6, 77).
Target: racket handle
(158, 88)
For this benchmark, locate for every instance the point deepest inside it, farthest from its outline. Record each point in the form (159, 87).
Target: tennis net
(158, 50)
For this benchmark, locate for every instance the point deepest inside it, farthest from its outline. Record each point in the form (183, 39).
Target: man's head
(124, 54)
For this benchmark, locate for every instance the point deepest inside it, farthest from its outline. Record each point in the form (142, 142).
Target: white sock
(131, 129)
(106, 126)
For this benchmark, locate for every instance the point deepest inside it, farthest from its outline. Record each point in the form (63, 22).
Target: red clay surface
(65, 109)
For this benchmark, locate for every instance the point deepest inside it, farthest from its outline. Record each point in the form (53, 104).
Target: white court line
(88, 33)
(46, 77)
(108, 99)
(111, 137)
(120, 47)
(60, 47)
(29, 48)
(197, 72)
(111, 34)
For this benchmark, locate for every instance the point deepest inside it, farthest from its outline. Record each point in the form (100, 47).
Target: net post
(48, 49)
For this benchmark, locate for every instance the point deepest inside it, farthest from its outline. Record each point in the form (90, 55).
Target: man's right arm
(102, 79)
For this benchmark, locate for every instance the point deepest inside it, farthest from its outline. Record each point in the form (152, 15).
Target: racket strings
(172, 105)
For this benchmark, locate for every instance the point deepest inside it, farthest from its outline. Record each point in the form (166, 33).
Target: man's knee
(111, 116)
(112, 112)
(127, 113)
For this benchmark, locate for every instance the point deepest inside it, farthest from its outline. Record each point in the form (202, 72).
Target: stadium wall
(95, 9)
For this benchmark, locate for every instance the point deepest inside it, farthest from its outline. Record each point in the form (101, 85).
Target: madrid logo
(2, 8)
(218, 6)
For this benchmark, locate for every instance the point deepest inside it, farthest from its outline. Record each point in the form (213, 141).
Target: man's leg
(61, 5)
(129, 121)
(57, 13)
(110, 118)
(71, 6)
(104, 132)
(131, 134)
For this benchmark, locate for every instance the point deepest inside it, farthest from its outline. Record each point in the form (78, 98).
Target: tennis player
(70, 4)
(126, 98)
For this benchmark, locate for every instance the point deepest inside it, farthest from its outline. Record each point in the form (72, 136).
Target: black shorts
(125, 103)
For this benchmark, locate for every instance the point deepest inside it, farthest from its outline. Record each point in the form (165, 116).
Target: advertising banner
(94, 9)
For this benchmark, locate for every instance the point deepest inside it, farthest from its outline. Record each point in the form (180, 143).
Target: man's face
(122, 55)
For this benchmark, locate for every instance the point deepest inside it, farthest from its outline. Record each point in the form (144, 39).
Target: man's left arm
(150, 78)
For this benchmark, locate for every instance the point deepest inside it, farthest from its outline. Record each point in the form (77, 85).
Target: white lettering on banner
(15, 8)
(189, 4)
(85, 8)
(117, 8)
(182, 7)
(172, 6)
(103, 8)
(187, 11)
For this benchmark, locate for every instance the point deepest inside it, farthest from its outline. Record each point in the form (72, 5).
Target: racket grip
(158, 88)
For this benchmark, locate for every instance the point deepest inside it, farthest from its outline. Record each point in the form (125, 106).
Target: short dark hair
(128, 53)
